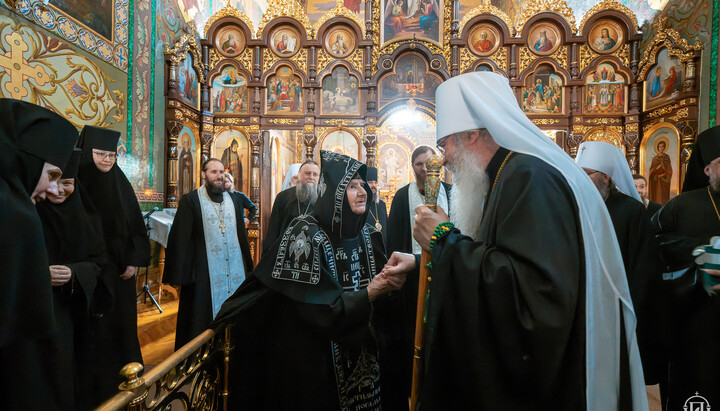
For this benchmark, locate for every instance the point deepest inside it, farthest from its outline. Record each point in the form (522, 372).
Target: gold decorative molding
(466, 59)
(604, 121)
(207, 127)
(390, 48)
(283, 121)
(675, 44)
(228, 11)
(187, 44)
(213, 58)
(340, 122)
(561, 56)
(341, 10)
(680, 114)
(286, 8)
(300, 59)
(545, 121)
(661, 111)
(254, 128)
(371, 129)
(485, 8)
(587, 55)
(246, 59)
(578, 129)
(357, 59)
(500, 58)
(623, 53)
(526, 58)
(611, 134)
(608, 5)
(322, 60)
(446, 51)
(253, 233)
(309, 128)
(269, 58)
(539, 6)
(631, 128)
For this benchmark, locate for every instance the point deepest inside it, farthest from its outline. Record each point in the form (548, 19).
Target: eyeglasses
(441, 145)
(104, 156)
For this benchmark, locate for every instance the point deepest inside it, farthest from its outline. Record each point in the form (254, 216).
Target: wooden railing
(195, 377)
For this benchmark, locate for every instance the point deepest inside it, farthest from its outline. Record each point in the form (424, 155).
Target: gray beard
(306, 193)
(470, 185)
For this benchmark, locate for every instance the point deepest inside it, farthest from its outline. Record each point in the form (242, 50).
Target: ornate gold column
(171, 193)
(370, 143)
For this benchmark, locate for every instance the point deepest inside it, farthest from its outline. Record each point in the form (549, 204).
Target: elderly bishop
(528, 296)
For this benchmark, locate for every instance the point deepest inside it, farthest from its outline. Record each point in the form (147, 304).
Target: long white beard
(470, 185)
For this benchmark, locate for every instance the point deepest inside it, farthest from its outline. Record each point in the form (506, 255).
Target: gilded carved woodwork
(300, 59)
(246, 58)
(609, 5)
(286, 8)
(341, 10)
(500, 58)
(486, 8)
(178, 52)
(269, 58)
(539, 6)
(283, 121)
(676, 45)
(527, 57)
(228, 11)
(545, 121)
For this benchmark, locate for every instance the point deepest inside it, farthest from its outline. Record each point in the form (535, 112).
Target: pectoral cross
(221, 226)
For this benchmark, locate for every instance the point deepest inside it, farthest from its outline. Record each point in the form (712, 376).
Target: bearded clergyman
(528, 297)
(293, 202)
(208, 254)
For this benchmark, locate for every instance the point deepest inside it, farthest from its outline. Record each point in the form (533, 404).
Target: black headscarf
(705, 150)
(332, 209)
(29, 136)
(70, 235)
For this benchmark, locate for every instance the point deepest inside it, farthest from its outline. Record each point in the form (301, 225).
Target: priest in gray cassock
(208, 254)
(528, 285)
(608, 169)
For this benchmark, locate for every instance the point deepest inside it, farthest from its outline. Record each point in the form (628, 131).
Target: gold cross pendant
(222, 227)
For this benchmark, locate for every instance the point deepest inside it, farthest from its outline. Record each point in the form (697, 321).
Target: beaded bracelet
(440, 231)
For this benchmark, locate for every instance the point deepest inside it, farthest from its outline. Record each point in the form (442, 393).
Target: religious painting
(188, 166)
(230, 41)
(315, 9)
(606, 37)
(285, 41)
(188, 88)
(407, 19)
(664, 80)
(543, 92)
(340, 42)
(342, 142)
(282, 154)
(398, 135)
(284, 93)
(97, 15)
(544, 39)
(394, 168)
(484, 40)
(340, 93)
(410, 79)
(232, 148)
(659, 162)
(604, 91)
(229, 92)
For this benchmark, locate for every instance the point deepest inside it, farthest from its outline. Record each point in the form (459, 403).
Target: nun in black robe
(303, 333)
(126, 244)
(30, 136)
(73, 240)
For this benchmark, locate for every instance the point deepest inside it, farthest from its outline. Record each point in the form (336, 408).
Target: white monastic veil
(485, 100)
(292, 171)
(609, 159)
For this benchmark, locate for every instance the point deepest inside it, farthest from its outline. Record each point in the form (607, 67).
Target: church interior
(263, 84)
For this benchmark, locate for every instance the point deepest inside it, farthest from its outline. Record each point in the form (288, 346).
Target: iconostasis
(362, 82)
